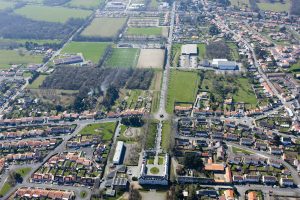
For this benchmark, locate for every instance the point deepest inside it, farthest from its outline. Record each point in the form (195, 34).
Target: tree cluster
(218, 50)
(15, 26)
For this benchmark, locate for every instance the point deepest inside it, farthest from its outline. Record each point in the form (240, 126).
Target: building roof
(189, 49)
(252, 196)
(118, 152)
(214, 167)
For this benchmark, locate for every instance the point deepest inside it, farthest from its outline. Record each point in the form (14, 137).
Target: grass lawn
(51, 14)
(276, 7)
(9, 57)
(154, 170)
(104, 129)
(85, 3)
(166, 131)
(6, 4)
(123, 57)
(37, 82)
(154, 4)
(91, 50)
(144, 31)
(202, 51)
(5, 188)
(233, 51)
(183, 87)
(175, 54)
(151, 135)
(295, 68)
(104, 27)
(23, 171)
(160, 160)
(238, 150)
(245, 93)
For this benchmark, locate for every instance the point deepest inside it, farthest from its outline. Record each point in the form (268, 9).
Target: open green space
(23, 171)
(123, 57)
(10, 57)
(239, 150)
(223, 87)
(104, 27)
(37, 82)
(275, 6)
(5, 188)
(51, 14)
(6, 4)
(91, 50)
(147, 31)
(85, 3)
(202, 50)
(234, 52)
(240, 3)
(245, 93)
(166, 134)
(106, 130)
(183, 87)
(295, 68)
(154, 170)
(151, 134)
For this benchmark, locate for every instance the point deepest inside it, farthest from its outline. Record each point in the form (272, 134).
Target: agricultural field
(91, 50)
(9, 57)
(52, 14)
(87, 4)
(123, 58)
(104, 27)
(151, 58)
(6, 4)
(276, 6)
(106, 130)
(146, 31)
(183, 87)
(37, 82)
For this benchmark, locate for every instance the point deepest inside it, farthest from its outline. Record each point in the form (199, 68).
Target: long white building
(118, 153)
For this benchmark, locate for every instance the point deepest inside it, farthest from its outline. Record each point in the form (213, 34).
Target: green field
(123, 57)
(91, 50)
(23, 171)
(51, 14)
(147, 31)
(151, 135)
(183, 87)
(166, 132)
(6, 4)
(276, 7)
(234, 52)
(85, 3)
(295, 68)
(104, 129)
(37, 82)
(202, 51)
(9, 57)
(245, 93)
(5, 188)
(239, 150)
(104, 27)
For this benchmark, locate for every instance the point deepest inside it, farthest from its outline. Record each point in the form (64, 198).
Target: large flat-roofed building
(224, 64)
(118, 153)
(189, 56)
(189, 49)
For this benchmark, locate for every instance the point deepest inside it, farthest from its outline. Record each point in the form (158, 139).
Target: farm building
(118, 153)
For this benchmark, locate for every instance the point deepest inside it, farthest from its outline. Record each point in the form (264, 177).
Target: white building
(118, 153)
(224, 64)
(189, 56)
